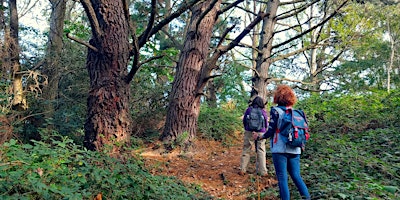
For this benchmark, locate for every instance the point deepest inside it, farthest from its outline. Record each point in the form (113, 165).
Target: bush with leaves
(62, 170)
(352, 113)
(219, 124)
(361, 162)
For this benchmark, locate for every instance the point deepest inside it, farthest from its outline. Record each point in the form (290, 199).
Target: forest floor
(214, 167)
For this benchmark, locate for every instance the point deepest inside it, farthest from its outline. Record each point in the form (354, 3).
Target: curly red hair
(284, 96)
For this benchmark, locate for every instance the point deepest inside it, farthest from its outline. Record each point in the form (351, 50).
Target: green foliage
(230, 84)
(352, 113)
(219, 124)
(62, 170)
(354, 148)
(353, 166)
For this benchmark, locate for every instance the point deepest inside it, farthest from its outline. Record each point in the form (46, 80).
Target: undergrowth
(62, 170)
(219, 124)
(354, 149)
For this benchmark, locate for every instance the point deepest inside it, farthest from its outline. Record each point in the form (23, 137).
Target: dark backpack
(292, 125)
(255, 120)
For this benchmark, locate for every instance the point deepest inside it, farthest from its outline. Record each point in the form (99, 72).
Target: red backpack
(292, 126)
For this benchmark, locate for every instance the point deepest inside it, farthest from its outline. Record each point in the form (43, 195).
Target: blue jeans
(284, 163)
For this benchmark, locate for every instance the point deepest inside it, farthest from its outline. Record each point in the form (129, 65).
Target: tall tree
(393, 32)
(19, 98)
(272, 48)
(194, 71)
(52, 63)
(108, 119)
(109, 52)
(263, 60)
(184, 106)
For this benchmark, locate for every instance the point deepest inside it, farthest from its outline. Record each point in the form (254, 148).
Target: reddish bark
(108, 118)
(184, 106)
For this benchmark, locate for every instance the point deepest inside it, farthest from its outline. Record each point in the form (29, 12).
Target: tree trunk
(3, 51)
(313, 54)
(260, 82)
(19, 100)
(53, 58)
(184, 104)
(211, 94)
(108, 122)
(391, 59)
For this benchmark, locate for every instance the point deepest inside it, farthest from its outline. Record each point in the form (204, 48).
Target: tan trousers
(247, 150)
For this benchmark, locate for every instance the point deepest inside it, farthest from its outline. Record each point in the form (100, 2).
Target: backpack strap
(281, 112)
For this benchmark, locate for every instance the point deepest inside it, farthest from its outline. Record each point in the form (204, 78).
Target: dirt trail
(212, 166)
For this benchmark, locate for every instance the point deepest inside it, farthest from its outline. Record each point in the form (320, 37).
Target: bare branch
(225, 34)
(293, 53)
(311, 46)
(92, 18)
(291, 2)
(251, 68)
(153, 12)
(246, 10)
(298, 10)
(211, 77)
(330, 62)
(151, 59)
(134, 51)
(312, 28)
(310, 90)
(135, 64)
(235, 42)
(167, 20)
(228, 7)
(82, 42)
(288, 79)
(178, 45)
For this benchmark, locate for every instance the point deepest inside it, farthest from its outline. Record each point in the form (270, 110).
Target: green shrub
(352, 113)
(62, 170)
(348, 156)
(219, 124)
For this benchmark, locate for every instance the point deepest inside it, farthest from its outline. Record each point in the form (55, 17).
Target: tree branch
(92, 18)
(228, 7)
(82, 42)
(145, 34)
(310, 90)
(324, 67)
(223, 49)
(222, 38)
(178, 45)
(135, 63)
(291, 2)
(151, 59)
(312, 28)
(167, 20)
(311, 46)
(287, 79)
(298, 10)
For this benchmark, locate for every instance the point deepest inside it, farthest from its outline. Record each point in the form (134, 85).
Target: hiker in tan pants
(248, 141)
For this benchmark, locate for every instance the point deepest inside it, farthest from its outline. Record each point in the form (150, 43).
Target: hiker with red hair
(286, 158)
